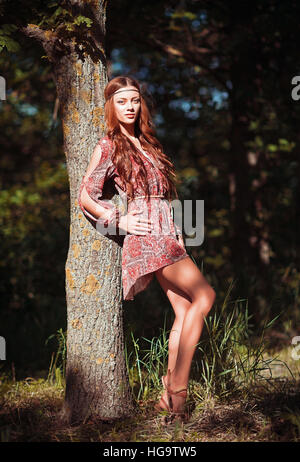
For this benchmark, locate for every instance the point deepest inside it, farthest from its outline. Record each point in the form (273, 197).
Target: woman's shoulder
(106, 145)
(105, 141)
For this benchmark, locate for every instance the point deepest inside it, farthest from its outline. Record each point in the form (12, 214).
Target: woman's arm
(104, 213)
(87, 202)
(101, 212)
(92, 207)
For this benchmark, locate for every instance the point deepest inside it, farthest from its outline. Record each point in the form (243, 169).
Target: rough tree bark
(96, 378)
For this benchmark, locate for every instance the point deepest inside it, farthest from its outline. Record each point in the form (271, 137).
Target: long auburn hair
(123, 148)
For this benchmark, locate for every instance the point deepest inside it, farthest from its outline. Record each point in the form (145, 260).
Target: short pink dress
(142, 255)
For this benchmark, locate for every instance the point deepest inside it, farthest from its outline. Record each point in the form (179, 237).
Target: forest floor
(268, 412)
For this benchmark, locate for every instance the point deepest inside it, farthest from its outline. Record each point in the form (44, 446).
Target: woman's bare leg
(180, 303)
(186, 277)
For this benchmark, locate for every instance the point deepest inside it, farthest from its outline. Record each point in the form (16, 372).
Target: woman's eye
(135, 101)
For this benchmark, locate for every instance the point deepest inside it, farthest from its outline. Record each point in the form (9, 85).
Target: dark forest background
(219, 78)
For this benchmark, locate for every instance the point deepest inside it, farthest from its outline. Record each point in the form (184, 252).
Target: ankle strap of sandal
(182, 392)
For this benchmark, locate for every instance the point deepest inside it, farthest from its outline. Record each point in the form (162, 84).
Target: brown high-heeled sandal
(175, 416)
(158, 407)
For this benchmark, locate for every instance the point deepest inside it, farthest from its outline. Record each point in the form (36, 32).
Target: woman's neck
(132, 137)
(128, 130)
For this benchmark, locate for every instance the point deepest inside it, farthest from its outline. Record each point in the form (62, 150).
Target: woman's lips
(130, 115)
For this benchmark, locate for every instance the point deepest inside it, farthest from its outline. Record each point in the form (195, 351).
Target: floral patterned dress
(142, 255)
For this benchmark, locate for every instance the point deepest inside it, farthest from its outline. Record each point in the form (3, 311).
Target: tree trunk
(96, 378)
(245, 253)
(249, 242)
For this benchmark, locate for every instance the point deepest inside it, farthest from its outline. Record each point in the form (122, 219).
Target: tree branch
(34, 31)
(50, 40)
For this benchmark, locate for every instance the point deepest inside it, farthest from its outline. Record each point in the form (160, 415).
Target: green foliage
(63, 17)
(6, 41)
(57, 368)
(34, 207)
(145, 372)
(232, 359)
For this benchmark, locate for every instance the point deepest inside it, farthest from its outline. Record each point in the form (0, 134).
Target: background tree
(96, 377)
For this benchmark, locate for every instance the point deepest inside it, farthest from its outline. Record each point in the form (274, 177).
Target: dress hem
(181, 257)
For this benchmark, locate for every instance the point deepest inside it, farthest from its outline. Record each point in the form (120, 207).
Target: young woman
(133, 158)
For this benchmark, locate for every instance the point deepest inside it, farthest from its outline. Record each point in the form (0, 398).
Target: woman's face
(127, 102)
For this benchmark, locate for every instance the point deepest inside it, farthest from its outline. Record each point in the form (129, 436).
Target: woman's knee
(180, 303)
(205, 300)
